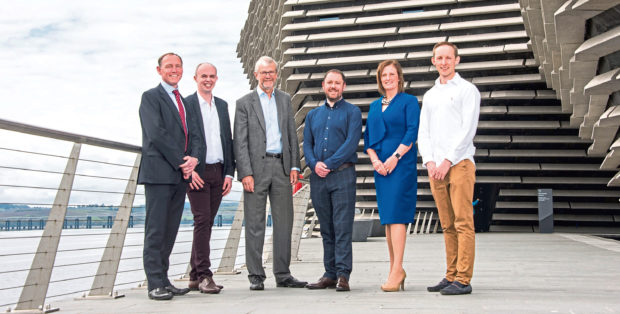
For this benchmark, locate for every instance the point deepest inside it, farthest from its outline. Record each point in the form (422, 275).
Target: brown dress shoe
(208, 286)
(218, 286)
(323, 283)
(343, 284)
(193, 285)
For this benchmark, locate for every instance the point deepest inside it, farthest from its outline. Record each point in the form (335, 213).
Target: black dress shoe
(256, 284)
(442, 284)
(160, 294)
(176, 291)
(291, 282)
(324, 282)
(456, 288)
(343, 284)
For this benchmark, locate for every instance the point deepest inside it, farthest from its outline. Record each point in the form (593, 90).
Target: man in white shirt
(212, 180)
(448, 123)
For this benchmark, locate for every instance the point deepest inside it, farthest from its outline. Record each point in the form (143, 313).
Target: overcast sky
(81, 67)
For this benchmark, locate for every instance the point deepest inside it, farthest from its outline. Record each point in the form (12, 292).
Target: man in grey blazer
(267, 154)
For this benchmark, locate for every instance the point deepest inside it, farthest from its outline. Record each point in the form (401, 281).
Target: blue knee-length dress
(385, 131)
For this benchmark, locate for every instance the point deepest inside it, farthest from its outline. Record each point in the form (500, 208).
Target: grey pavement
(514, 273)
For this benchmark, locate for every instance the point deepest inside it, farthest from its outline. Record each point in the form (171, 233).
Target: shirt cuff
(425, 161)
(229, 176)
(296, 169)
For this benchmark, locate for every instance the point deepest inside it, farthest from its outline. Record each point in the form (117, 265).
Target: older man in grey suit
(267, 154)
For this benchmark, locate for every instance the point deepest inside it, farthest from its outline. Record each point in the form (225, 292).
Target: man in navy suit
(211, 180)
(171, 149)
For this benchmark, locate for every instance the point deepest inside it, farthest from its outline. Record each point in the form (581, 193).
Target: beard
(333, 100)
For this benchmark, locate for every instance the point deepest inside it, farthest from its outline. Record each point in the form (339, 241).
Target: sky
(82, 66)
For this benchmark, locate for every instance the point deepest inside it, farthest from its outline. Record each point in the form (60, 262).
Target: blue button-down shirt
(332, 134)
(270, 113)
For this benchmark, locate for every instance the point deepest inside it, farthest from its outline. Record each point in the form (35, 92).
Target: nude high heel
(400, 285)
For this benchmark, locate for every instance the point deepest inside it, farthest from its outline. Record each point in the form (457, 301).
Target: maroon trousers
(205, 203)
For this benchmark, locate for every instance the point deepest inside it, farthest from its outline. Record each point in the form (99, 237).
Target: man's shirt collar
(202, 101)
(261, 92)
(456, 79)
(336, 104)
(167, 87)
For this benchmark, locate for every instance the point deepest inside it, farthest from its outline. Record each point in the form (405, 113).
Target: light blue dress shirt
(169, 90)
(270, 112)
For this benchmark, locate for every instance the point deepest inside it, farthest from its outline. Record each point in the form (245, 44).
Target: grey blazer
(250, 142)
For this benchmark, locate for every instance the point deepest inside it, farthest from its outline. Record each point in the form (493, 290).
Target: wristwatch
(397, 155)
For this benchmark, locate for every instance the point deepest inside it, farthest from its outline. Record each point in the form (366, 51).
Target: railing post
(417, 221)
(430, 220)
(227, 263)
(35, 289)
(300, 207)
(103, 284)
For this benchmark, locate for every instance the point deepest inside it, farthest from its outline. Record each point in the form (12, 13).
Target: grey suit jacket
(250, 134)
(225, 133)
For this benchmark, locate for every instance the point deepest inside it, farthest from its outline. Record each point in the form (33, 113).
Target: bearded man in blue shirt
(331, 137)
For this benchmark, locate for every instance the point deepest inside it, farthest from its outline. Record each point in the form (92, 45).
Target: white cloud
(81, 67)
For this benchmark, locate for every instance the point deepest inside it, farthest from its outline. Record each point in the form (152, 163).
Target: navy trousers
(333, 198)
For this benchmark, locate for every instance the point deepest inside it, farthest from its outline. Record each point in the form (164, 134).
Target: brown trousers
(205, 203)
(453, 196)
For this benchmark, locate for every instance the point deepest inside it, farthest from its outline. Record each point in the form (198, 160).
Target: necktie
(181, 113)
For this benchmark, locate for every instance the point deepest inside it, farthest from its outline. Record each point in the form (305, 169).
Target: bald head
(203, 65)
(205, 77)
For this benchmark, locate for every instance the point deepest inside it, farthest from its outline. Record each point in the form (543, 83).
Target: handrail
(34, 290)
(66, 136)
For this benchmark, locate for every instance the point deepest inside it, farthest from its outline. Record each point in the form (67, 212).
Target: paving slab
(514, 273)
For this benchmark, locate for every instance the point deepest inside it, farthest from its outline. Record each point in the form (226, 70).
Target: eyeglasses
(265, 73)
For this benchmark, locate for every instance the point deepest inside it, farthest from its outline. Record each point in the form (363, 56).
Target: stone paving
(514, 273)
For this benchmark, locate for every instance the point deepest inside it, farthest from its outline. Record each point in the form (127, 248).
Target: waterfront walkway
(514, 273)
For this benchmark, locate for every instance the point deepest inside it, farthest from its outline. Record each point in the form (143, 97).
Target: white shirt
(448, 121)
(211, 122)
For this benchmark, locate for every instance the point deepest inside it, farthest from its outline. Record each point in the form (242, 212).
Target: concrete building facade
(548, 73)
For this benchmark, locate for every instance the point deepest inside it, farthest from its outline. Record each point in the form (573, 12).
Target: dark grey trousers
(164, 208)
(273, 182)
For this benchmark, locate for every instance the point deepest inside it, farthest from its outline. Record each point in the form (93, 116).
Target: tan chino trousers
(453, 196)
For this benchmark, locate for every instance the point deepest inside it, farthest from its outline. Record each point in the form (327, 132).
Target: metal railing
(114, 268)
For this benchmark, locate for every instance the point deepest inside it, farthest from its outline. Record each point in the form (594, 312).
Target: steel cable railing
(139, 270)
(77, 252)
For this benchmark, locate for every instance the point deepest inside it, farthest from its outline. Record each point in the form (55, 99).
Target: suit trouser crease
(453, 197)
(273, 182)
(205, 203)
(164, 208)
(333, 198)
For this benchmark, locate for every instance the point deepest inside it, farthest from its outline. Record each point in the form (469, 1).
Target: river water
(78, 257)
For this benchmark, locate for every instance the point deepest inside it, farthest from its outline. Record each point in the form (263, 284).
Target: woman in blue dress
(389, 140)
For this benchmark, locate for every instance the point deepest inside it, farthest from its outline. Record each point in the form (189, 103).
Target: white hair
(265, 60)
